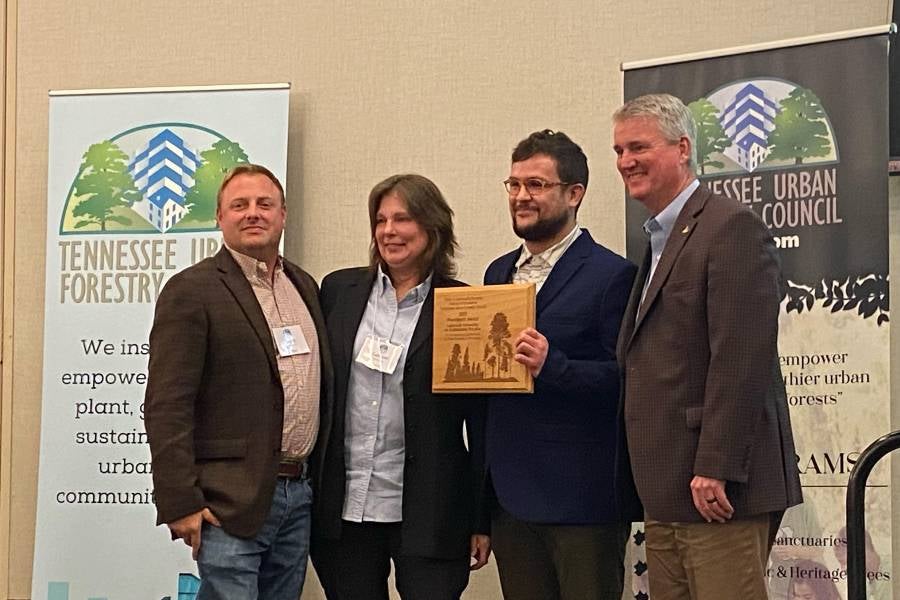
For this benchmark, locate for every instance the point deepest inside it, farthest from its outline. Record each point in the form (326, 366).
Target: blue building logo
(759, 124)
(188, 586)
(163, 172)
(155, 178)
(747, 120)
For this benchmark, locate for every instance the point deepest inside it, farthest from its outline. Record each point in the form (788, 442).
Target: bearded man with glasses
(558, 530)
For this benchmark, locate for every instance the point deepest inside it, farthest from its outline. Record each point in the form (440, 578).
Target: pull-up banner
(799, 134)
(131, 200)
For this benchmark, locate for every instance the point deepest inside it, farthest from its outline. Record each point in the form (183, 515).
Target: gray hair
(673, 117)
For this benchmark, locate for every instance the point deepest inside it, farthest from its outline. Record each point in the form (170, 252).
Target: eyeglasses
(534, 186)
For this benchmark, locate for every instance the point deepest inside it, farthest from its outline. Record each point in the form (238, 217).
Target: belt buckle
(292, 470)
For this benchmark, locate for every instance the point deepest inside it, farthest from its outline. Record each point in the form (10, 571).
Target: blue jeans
(271, 566)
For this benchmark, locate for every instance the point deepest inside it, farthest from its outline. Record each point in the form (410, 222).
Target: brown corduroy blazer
(702, 388)
(214, 403)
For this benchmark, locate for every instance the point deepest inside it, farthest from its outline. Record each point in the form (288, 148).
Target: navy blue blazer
(551, 454)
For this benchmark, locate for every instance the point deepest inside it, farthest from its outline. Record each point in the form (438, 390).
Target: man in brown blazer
(708, 436)
(238, 365)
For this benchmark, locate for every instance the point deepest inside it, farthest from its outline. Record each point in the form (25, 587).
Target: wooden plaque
(474, 329)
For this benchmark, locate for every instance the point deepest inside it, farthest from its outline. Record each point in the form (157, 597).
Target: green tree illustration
(214, 164)
(711, 137)
(800, 129)
(103, 185)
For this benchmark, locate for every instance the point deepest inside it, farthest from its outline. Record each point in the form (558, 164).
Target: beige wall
(442, 88)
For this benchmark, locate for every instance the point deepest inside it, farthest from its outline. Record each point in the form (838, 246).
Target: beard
(542, 229)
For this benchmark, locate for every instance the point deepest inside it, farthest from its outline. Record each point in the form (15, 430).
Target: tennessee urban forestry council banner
(131, 200)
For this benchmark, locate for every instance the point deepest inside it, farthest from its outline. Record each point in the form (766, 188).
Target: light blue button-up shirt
(374, 441)
(660, 227)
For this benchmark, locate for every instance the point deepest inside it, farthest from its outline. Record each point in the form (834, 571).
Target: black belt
(293, 470)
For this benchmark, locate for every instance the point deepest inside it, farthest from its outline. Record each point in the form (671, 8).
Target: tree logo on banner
(770, 143)
(153, 178)
(761, 124)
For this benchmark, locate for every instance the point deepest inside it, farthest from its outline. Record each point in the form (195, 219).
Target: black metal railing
(856, 512)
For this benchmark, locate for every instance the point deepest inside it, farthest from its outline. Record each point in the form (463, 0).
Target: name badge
(289, 340)
(379, 354)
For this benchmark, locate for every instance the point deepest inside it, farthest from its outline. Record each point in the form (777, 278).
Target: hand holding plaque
(474, 328)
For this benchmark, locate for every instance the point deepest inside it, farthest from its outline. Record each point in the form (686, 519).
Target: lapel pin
(687, 229)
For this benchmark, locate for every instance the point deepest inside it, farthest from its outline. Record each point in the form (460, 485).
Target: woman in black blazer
(399, 482)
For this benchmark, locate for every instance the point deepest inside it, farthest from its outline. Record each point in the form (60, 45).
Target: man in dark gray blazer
(239, 372)
(706, 419)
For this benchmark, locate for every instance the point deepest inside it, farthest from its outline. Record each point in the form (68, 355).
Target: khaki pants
(710, 561)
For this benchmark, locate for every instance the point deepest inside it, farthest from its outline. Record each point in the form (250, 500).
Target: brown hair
(248, 169)
(571, 163)
(427, 206)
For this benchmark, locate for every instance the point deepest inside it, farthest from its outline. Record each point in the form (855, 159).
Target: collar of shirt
(254, 269)
(666, 218)
(552, 254)
(660, 226)
(416, 295)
